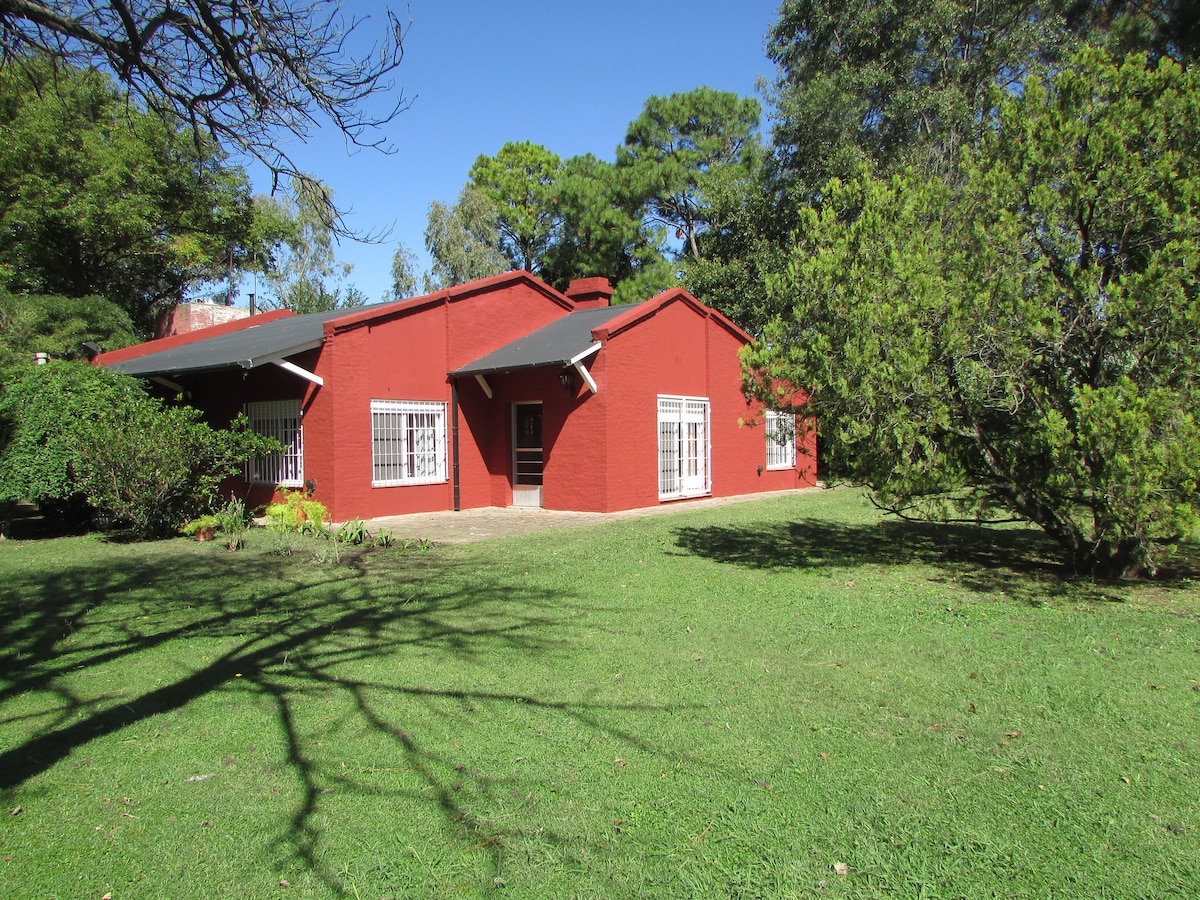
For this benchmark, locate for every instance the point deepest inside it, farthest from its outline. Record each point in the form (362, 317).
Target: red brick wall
(601, 449)
(407, 357)
(683, 351)
(187, 317)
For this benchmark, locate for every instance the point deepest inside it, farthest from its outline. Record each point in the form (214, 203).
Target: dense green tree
(99, 198)
(905, 83)
(464, 239)
(1024, 342)
(583, 216)
(744, 245)
(1157, 27)
(895, 84)
(677, 145)
(602, 232)
(519, 182)
(58, 326)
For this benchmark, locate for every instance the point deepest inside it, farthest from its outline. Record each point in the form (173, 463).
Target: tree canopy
(678, 145)
(1022, 342)
(519, 183)
(58, 327)
(304, 275)
(603, 232)
(464, 239)
(906, 83)
(97, 198)
(570, 218)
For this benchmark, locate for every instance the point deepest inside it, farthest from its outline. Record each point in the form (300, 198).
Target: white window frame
(780, 429)
(280, 419)
(408, 443)
(684, 447)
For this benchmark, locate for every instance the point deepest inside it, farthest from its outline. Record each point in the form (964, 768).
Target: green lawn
(719, 703)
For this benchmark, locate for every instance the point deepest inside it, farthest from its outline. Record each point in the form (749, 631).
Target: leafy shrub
(296, 511)
(354, 532)
(80, 436)
(157, 466)
(233, 520)
(44, 415)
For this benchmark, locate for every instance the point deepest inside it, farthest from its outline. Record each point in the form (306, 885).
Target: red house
(495, 393)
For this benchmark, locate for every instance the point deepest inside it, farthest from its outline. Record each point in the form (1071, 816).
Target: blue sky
(568, 75)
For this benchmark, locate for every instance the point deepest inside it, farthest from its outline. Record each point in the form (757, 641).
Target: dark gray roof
(555, 344)
(247, 347)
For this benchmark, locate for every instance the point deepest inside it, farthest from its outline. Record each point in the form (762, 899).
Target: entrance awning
(566, 343)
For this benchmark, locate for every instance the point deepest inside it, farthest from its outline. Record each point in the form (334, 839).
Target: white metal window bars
(781, 439)
(408, 442)
(279, 419)
(684, 447)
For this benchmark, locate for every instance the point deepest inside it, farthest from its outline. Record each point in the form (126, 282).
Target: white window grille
(684, 447)
(408, 442)
(781, 440)
(279, 419)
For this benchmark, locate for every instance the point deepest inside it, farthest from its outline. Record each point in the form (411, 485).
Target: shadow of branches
(285, 631)
(1021, 562)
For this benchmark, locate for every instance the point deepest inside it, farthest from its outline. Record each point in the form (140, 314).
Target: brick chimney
(590, 293)
(187, 317)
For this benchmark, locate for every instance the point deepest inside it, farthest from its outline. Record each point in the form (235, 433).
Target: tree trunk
(1110, 560)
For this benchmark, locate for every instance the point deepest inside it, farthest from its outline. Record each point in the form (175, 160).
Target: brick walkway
(495, 521)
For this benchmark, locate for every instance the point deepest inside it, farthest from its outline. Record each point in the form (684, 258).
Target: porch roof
(247, 348)
(561, 343)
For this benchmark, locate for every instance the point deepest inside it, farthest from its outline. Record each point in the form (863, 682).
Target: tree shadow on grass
(287, 631)
(1021, 562)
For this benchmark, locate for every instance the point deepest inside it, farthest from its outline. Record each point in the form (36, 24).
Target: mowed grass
(785, 698)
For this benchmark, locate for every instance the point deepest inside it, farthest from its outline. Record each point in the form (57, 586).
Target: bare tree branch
(246, 72)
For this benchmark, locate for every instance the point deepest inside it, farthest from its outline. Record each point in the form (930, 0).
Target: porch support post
(577, 362)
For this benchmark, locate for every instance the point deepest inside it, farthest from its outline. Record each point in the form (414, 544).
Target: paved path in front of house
(448, 527)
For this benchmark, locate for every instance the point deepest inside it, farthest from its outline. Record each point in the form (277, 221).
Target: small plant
(385, 540)
(354, 532)
(296, 511)
(201, 527)
(233, 520)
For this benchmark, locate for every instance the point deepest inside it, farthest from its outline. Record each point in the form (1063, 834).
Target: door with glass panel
(528, 455)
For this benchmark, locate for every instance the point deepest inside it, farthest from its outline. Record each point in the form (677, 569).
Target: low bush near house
(83, 441)
(296, 511)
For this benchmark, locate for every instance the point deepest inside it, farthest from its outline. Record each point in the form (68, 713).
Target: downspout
(454, 438)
